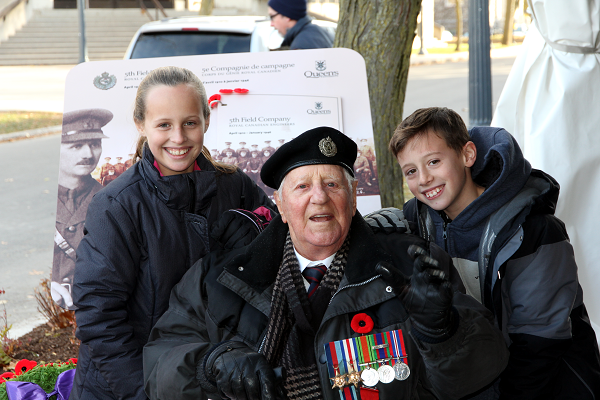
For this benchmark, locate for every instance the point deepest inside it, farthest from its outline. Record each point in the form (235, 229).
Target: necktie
(314, 275)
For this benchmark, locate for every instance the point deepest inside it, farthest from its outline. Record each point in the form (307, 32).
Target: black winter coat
(228, 297)
(144, 232)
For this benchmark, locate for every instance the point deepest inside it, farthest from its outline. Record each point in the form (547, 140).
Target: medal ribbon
(339, 353)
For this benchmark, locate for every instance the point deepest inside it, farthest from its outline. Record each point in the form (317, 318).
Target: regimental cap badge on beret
(327, 147)
(322, 145)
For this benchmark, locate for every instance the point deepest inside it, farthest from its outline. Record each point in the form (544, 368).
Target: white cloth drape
(551, 104)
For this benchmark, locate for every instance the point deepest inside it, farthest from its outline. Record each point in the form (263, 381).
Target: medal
(339, 381)
(401, 370)
(369, 376)
(354, 376)
(386, 373)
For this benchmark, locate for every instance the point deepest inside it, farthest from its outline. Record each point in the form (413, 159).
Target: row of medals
(370, 376)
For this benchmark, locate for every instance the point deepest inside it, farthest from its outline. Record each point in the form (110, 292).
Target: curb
(51, 130)
(427, 59)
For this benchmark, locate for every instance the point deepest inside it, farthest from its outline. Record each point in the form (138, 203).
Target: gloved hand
(427, 295)
(239, 372)
(388, 220)
(60, 295)
(238, 228)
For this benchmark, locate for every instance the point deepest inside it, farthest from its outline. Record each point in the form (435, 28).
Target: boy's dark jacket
(527, 271)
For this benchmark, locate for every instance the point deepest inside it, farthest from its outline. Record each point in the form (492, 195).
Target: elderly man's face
(317, 204)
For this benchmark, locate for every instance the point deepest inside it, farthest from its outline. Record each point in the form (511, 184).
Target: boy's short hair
(442, 121)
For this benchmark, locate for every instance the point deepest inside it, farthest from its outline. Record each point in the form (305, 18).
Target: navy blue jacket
(144, 232)
(526, 271)
(306, 35)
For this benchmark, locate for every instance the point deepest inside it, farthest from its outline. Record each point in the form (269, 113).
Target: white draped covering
(551, 104)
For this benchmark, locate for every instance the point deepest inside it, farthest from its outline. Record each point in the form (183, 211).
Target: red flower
(5, 376)
(362, 323)
(73, 360)
(226, 91)
(24, 366)
(240, 90)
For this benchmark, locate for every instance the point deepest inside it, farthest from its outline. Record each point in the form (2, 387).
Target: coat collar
(191, 192)
(294, 30)
(262, 258)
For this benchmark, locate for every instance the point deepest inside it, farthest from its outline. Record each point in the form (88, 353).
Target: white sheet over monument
(550, 104)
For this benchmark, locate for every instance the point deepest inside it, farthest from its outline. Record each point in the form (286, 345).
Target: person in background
(315, 276)
(80, 151)
(147, 228)
(479, 199)
(229, 158)
(361, 167)
(290, 19)
(104, 168)
(243, 157)
(119, 166)
(242, 148)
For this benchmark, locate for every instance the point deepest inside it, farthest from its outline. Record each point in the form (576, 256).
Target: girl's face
(174, 126)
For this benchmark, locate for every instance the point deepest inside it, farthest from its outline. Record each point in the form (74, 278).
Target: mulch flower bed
(45, 345)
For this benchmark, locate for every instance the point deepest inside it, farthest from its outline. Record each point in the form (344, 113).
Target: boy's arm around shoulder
(180, 340)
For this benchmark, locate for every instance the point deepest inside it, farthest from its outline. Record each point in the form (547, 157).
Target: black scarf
(294, 321)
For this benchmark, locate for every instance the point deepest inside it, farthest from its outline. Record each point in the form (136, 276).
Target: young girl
(145, 230)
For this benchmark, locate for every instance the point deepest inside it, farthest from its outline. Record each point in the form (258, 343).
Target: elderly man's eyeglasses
(273, 16)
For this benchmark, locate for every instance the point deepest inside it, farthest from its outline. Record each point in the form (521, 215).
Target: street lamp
(480, 71)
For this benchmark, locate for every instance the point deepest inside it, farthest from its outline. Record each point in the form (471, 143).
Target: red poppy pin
(5, 376)
(362, 323)
(24, 366)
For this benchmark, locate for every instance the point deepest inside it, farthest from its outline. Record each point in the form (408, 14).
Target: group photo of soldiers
(250, 160)
(109, 171)
(365, 169)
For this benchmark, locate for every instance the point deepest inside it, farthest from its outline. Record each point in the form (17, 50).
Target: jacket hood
(177, 190)
(499, 167)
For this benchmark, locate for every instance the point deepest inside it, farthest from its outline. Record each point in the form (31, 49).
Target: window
(167, 44)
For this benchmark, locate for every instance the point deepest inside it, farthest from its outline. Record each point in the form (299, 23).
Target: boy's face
(437, 175)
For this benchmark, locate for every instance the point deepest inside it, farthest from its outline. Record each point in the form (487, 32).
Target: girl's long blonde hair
(172, 76)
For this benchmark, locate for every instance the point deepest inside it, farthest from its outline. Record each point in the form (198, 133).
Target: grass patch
(16, 121)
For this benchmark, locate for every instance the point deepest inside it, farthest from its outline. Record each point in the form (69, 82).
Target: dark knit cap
(293, 9)
(323, 145)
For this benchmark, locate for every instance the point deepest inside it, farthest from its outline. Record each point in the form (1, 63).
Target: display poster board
(266, 99)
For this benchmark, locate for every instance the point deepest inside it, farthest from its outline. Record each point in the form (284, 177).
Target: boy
(479, 199)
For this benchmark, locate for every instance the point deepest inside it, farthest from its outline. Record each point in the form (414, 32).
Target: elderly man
(80, 150)
(322, 298)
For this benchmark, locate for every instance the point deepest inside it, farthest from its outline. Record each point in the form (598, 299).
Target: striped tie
(314, 275)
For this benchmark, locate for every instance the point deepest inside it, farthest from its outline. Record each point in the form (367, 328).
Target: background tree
(382, 31)
(459, 24)
(206, 7)
(509, 18)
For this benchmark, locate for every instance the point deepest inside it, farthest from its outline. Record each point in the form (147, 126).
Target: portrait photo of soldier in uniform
(80, 151)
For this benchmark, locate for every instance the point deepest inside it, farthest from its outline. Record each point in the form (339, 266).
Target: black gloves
(388, 220)
(235, 371)
(427, 296)
(238, 228)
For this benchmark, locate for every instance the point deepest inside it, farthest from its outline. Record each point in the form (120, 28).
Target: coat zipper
(353, 285)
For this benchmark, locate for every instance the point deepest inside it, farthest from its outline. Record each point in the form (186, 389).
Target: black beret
(323, 145)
